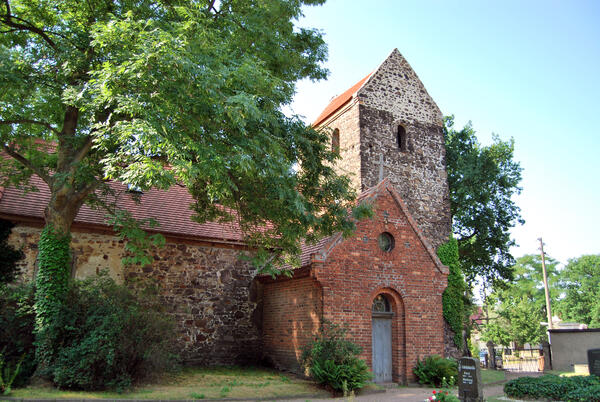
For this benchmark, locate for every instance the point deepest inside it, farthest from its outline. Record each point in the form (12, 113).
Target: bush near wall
(108, 336)
(332, 360)
(552, 387)
(105, 335)
(17, 320)
(436, 370)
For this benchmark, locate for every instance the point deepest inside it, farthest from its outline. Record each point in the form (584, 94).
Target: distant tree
(482, 181)
(521, 305)
(580, 282)
(8, 254)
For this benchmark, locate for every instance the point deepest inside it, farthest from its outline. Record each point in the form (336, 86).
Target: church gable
(391, 239)
(396, 88)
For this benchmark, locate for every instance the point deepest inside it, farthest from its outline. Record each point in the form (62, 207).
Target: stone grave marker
(594, 361)
(469, 380)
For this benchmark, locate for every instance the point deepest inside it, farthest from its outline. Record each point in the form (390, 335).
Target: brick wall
(292, 311)
(357, 270)
(207, 289)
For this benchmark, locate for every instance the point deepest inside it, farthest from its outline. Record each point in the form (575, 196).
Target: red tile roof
(170, 208)
(339, 101)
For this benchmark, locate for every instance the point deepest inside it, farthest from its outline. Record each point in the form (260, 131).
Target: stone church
(385, 281)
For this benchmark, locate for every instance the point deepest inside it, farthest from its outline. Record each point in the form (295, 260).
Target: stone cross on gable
(380, 168)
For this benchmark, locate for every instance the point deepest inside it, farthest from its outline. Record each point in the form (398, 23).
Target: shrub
(17, 320)
(107, 336)
(332, 360)
(584, 394)
(555, 388)
(436, 369)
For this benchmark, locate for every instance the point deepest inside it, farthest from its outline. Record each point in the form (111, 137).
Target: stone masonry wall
(207, 289)
(393, 96)
(347, 121)
(419, 174)
(395, 87)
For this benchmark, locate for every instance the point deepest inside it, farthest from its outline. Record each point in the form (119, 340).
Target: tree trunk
(54, 269)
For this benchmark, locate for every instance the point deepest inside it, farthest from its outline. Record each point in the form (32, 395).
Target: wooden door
(382, 349)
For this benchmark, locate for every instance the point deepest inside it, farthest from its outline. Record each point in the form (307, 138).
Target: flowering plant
(443, 396)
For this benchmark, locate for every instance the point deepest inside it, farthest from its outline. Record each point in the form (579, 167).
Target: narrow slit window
(402, 140)
(335, 141)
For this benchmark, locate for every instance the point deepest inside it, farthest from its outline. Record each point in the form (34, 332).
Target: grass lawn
(489, 376)
(197, 383)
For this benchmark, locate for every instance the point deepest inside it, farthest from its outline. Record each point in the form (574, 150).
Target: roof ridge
(337, 102)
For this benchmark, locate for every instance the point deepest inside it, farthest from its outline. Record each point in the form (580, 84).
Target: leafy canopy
(521, 305)
(580, 283)
(482, 181)
(162, 93)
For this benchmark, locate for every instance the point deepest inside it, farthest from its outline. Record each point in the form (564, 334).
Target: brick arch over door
(399, 373)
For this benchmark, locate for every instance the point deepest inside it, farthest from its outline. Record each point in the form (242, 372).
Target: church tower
(387, 125)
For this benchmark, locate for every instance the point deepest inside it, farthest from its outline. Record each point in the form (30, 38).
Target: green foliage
(155, 94)
(521, 306)
(17, 320)
(10, 256)
(332, 360)
(108, 336)
(580, 282)
(52, 284)
(453, 297)
(138, 240)
(482, 181)
(576, 388)
(436, 369)
(8, 375)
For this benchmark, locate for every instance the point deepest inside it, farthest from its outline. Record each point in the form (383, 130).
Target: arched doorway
(381, 331)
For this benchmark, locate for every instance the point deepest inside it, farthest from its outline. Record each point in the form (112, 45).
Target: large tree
(482, 181)
(162, 93)
(580, 282)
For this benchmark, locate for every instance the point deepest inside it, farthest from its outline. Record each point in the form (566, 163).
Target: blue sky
(522, 69)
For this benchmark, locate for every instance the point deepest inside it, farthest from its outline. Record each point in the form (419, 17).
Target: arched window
(402, 139)
(335, 141)
(381, 305)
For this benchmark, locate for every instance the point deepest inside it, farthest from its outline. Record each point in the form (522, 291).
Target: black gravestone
(594, 361)
(469, 380)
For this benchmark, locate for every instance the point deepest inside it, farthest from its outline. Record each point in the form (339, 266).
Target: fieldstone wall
(396, 88)
(207, 289)
(418, 174)
(394, 96)
(347, 121)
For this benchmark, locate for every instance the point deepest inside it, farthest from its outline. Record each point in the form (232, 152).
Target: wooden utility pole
(548, 308)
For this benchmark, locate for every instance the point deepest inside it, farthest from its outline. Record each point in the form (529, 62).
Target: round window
(386, 242)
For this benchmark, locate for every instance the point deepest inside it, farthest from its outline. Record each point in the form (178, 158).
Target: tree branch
(469, 237)
(27, 26)
(82, 152)
(27, 163)
(30, 121)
